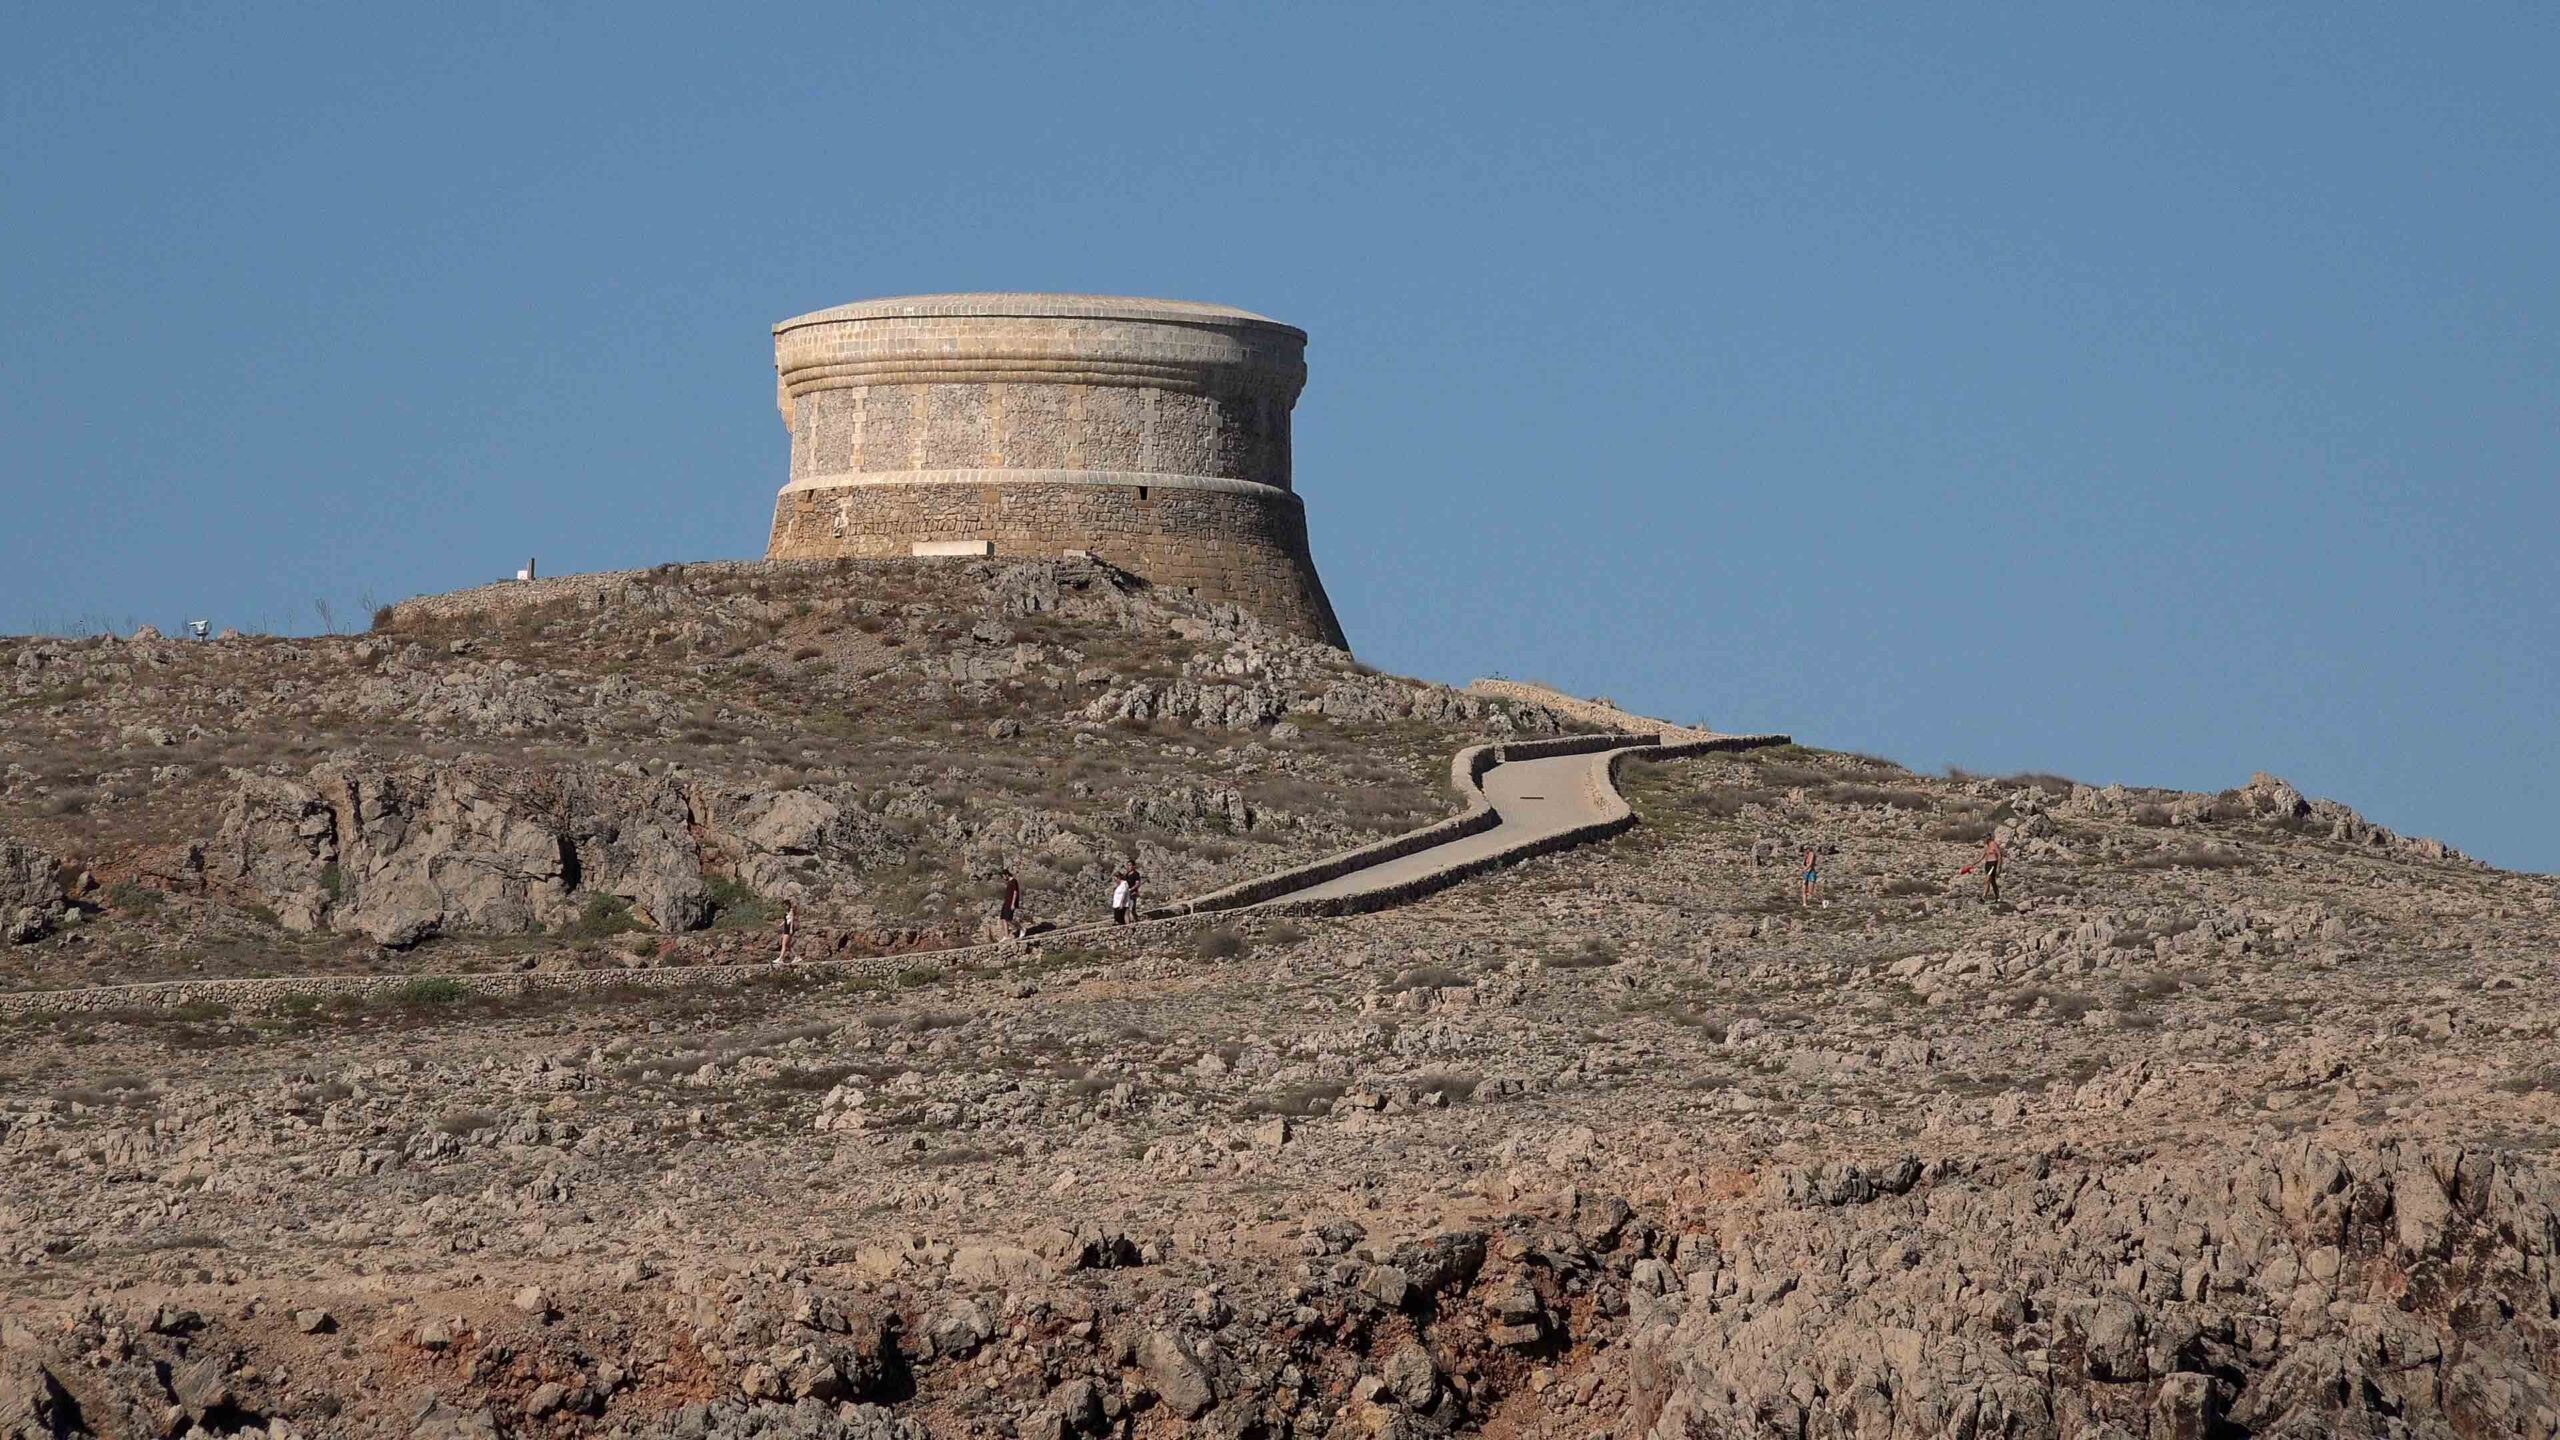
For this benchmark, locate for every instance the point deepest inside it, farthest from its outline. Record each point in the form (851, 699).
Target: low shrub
(1429, 977)
(1592, 954)
(1220, 944)
(733, 905)
(1456, 1089)
(817, 1078)
(603, 917)
(2191, 857)
(134, 899)
(1302, 1100)
(1879, 795)
(428, 990)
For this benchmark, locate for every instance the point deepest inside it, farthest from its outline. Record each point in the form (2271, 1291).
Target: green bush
(135, 899)
(429, 990)
(733, 905)
(604, 917)
(332, 880)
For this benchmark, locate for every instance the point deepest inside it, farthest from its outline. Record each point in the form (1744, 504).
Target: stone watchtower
(1153, 434)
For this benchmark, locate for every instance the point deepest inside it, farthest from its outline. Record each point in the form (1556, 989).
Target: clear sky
(2148, 393)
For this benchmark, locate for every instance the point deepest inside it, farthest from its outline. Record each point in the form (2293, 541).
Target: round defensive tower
(1150, 433)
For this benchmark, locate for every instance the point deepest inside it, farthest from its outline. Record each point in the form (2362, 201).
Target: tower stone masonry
(1153, 434)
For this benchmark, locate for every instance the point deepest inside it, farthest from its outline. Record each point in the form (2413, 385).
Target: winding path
(1537, 800)
(1525, 799)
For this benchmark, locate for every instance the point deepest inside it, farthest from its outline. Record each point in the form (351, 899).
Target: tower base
(1231, 540)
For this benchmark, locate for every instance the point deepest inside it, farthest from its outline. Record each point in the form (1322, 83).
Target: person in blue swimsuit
(1812, 877)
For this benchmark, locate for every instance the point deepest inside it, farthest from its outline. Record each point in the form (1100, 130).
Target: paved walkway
(1535, 798)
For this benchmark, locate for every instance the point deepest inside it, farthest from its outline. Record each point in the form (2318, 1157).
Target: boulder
(1180, 1381)
(792, 822)
(32, 1402)
(996, 1266)
(32, 900)
(1414, 1378)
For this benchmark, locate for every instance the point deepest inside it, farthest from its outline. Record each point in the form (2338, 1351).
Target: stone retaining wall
(1618, 819)
(1466, 776)
(1600, 714)
(595, 590)
(613, 589)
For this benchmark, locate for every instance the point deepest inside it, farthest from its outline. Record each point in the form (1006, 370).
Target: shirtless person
(1812, 876)
(1990, 866)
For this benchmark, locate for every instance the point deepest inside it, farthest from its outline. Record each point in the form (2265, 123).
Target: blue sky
(2150, 393)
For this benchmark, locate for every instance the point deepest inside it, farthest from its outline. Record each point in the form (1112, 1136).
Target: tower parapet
(1150, 433)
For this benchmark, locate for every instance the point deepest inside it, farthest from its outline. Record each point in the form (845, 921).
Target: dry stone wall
(595, 590)
(1598, 713)
(1466, 776)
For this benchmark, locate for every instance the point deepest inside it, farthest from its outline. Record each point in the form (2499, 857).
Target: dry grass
(1428, 977)
(2192, 857)
(1220, 944)
(1298, 1100)
(1591, 954)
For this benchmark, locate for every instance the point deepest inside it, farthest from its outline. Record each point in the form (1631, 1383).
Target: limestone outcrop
(399, 852)
(32, 898)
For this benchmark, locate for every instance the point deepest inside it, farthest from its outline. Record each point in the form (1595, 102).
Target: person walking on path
(1989, 865)
(790, 927)
(1124, 895)
(1010, 911)
(1812, 876)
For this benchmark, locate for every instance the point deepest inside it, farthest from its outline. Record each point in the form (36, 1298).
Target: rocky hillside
(2234, 1116)
(645, 768)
